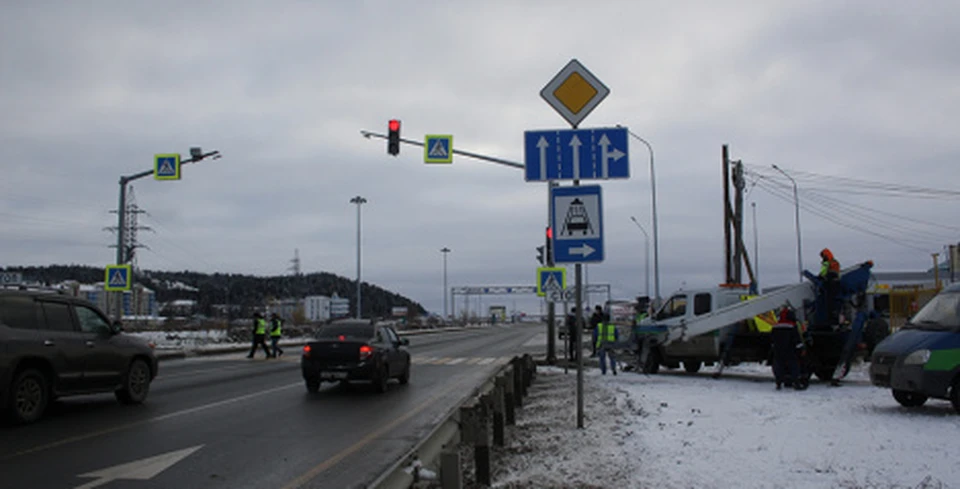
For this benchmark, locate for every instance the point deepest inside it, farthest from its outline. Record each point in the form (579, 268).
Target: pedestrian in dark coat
(787, 347)
(259, 335)
(595, 319)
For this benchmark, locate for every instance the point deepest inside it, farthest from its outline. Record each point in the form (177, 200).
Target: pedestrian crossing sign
(117, 277)
(166, 167)
(551, 278)
(438, 148)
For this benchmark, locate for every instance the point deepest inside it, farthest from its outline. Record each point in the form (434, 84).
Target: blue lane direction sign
(576, 154)
(166, 167)
(438, 148)
(577, 222)
(551, 278)
(117, 277)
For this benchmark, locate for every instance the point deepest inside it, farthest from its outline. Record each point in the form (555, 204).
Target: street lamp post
(646, 265)
(653, 198)
(359, 201)
(445, 250)
(796, 205)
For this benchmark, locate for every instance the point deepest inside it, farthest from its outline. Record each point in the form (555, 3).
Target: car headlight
(918, 357)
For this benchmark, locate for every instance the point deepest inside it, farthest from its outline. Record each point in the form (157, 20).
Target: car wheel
(136, 383)
(380, 382)
(955, 395)
(909, 399)
(29, 395)
(313, 385)
(692, 366)
(405, 376)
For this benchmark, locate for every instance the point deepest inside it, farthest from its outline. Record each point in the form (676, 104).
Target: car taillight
(365, 352)
(306, 351)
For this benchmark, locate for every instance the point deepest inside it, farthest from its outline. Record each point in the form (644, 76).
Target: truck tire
(692, 366)
(313, 385)
(824, 374)
(652, 365)
(909, 399)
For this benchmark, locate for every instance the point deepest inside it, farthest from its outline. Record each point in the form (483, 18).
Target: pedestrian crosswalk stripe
(454, 361)
(487, 361)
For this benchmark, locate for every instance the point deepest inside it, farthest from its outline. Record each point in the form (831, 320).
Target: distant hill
(246, 291)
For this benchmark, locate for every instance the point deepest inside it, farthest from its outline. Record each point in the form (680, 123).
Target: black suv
(54, 345)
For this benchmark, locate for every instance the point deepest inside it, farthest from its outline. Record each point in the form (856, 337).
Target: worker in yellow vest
(259, 335)
(276, 327)
(607, 338)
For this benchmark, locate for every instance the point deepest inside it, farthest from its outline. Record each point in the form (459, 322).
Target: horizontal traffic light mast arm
(513, 164)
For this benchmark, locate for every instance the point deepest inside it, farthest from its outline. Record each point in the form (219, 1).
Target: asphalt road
(230, 422)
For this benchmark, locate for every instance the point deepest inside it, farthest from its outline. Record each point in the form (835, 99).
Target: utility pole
(728, 277)
(551, 306)
(738, 221)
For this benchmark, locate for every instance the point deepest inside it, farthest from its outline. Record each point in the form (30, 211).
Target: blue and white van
(922, 359)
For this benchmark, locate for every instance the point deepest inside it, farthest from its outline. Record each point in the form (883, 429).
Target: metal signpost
(579, 154)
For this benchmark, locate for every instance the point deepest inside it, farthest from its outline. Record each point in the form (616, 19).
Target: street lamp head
(196, 152)
(445, 250)
(358, 200)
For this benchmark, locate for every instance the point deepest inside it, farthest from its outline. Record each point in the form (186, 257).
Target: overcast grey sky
(90, 91)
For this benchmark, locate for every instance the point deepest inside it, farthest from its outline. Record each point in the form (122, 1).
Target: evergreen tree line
(244, 292)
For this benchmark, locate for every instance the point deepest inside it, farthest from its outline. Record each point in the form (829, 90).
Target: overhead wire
(830, 211)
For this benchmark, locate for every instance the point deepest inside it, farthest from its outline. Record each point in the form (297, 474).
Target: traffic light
(393, 138)
(549, 246)
(540, 255)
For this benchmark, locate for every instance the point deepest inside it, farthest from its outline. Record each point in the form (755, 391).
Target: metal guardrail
(481, 416)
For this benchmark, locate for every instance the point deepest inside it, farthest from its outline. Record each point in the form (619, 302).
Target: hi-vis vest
(606, 333)
(763, 322)
(261, 326)
(277, 326)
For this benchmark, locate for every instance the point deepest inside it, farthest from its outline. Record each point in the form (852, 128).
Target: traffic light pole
(551, 306)
(512, 164)
(122, 256)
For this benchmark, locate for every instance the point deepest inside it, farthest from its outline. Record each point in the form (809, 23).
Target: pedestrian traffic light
(393, 138)
(540, 255)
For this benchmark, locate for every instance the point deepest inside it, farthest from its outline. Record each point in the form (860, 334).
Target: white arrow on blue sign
(577, 222)
(572, 154)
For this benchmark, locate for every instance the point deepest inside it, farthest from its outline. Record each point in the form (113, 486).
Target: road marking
(143, 469)
(330, 462)
(164, 417)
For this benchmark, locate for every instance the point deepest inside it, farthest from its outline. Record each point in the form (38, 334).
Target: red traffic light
(549, 233)
(394, 125)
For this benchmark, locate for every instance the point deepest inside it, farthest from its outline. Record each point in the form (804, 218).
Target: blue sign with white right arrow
(576, 154)
(577, 223)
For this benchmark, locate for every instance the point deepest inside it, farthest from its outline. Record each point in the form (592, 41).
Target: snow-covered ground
(679, 430)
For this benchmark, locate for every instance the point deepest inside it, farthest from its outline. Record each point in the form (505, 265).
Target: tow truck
(711, 326)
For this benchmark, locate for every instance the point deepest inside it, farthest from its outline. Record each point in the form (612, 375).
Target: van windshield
(942, 313)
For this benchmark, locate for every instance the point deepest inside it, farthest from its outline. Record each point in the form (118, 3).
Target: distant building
(316, 308)
(139, 301)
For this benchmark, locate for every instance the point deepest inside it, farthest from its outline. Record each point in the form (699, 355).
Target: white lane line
(150, 420)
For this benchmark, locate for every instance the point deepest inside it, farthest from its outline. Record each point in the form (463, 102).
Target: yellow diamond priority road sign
(574, 92)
